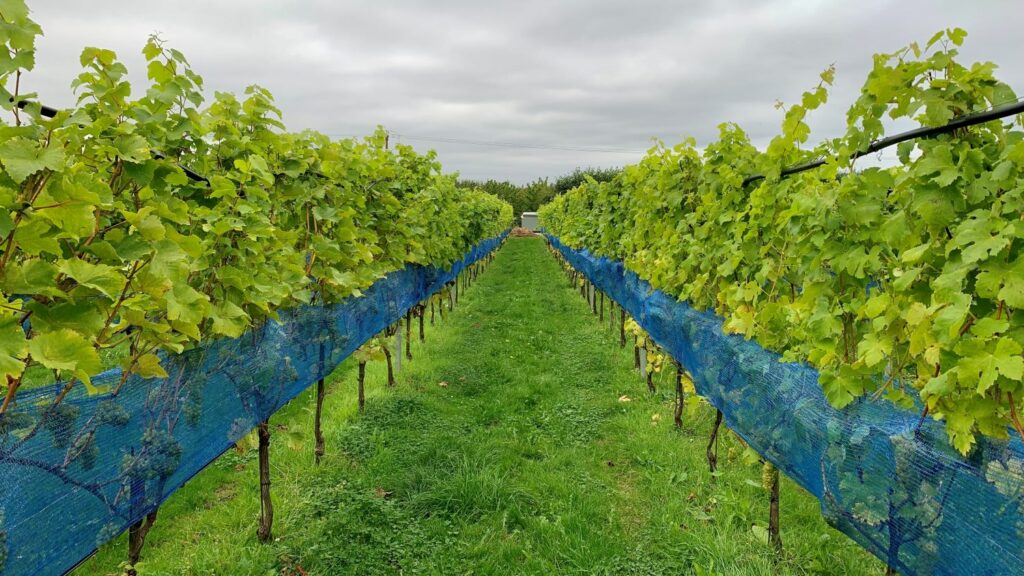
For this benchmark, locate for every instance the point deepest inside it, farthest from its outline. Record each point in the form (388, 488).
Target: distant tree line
(579, 176)
(529, 197)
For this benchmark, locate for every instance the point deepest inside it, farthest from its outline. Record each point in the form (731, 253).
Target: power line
(492, 143)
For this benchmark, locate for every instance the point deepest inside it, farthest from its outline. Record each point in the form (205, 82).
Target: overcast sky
(560, 83)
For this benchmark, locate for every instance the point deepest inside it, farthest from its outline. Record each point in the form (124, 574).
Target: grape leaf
(22, 158)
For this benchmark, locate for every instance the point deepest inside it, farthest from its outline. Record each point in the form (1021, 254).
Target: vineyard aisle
(517, 441)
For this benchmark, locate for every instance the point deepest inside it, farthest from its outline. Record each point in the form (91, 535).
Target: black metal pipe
(44, 110)
(994, 113)
(51, 112)
(195, 176)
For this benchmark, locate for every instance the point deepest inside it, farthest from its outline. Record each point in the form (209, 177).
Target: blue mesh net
(100, 463)
(884, 476)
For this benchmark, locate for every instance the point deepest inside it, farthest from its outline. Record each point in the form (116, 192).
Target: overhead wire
(529, 146)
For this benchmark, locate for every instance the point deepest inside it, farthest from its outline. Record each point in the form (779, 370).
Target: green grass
(526, 462)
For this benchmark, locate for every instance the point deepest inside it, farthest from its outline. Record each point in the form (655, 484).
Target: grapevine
(135, 228)
(107, 245)
(896, 282)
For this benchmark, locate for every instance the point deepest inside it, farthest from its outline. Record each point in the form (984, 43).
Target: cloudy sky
(531, 88)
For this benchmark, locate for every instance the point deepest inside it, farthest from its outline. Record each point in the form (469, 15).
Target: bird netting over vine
(102, 462)
(886, 477)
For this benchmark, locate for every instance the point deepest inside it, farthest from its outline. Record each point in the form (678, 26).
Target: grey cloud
(573, 74)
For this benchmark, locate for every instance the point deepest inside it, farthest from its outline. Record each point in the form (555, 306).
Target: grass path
(504, 449)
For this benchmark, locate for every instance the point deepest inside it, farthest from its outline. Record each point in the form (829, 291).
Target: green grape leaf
(875, 305)
(186, 304)
(229, 320)
(957, 36)
(982, 364)
(13, 348)
(14, 10)
(1007, 478)
(148, 366)
(989, 327)
(83, 316)
(31, 276)
(22, 158)
(65, 350)
(132, 148)
(938, 163)
(873, 348)
(950, 318)
(106, 279)
(151, 50)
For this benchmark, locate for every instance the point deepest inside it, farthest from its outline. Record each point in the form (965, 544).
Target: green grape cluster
(107, 243)
(111, 413)
(893, 282)
(59, 421)
(158, 457)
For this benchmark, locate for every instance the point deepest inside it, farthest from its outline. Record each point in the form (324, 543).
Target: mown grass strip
(506, 448)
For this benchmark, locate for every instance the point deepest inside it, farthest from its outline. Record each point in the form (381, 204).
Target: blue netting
(885, 478)
(101, 463)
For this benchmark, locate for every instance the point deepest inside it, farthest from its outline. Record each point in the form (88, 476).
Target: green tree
(579, 176)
